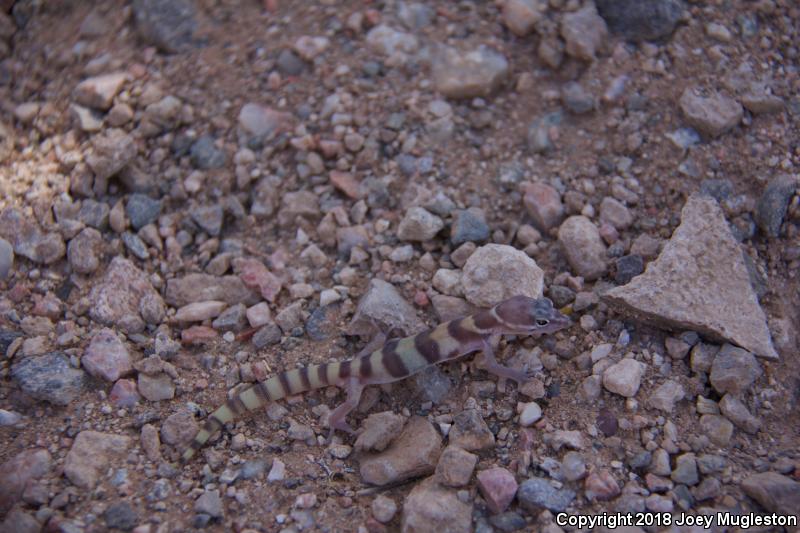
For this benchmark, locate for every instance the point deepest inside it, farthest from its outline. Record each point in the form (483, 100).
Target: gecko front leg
(336, 420)
(496, 368)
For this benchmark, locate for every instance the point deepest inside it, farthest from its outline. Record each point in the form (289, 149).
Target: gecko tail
(275, 388)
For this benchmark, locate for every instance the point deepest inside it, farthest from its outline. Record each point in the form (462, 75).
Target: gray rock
(142, 210)
(94, 213)
(476, 73)
(209, 218)
(537, 494)
(641, 20)
(717, 428)
(774, 492)
(455, 467)
(120, 516)
(573, 466)
(156, 387)
(205, 155)
(470, 432)
(28, 239)
(628, 267)
(685, 471)
(469, 225)
(734, 370)
(289, 63)
(382, 306)
(111, 152)
(262, 122)
(577, 99)
(584, 32)
(49, 377)
(707, 292)
(234, 318)
(712, 115)
(253, 469)
(419, 225)
(167, 24)
(583, 247)
(624, 378)
(430, 508)
(6, 258)
(415, 15)
(711, 464)
(495, 272)
(135, 245)
(773, 204)
(18, 471)
(539, 132)
(666, 395)
(19, 521)
(209, 503)
(267, 336)
(736, 411)
(398, 45)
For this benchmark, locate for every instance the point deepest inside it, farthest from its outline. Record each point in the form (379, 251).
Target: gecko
(396, 360)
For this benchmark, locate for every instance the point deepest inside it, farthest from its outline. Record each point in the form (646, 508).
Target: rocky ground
(196, 194)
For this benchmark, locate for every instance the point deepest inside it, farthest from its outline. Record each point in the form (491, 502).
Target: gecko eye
(542, 322)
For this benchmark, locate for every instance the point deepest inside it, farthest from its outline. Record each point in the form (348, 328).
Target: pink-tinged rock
(106, 357)
(430, 508)
(259, 315)
(203, 287)
(498, 488)
(345, 182)
(583, 246)
(609, 233)
(199, 311)
(98, 92)
(601, 485)
(18, 472)
(124, 393)
(257, 277)
(198, 335)
(543, 204)
(47, 305)
(125, 298)
(91, 455)
(700, 282)
(414, 453)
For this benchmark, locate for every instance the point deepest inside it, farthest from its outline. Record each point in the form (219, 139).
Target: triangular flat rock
(699, 283)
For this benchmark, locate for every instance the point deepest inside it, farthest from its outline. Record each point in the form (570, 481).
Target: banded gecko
(396, 360)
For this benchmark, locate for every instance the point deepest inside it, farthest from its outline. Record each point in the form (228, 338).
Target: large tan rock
(699, 283)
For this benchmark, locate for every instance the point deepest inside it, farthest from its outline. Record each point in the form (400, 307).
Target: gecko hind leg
(499, 370)
(336, 420)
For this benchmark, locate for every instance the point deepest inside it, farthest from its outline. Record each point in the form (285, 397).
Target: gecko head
(530, 316)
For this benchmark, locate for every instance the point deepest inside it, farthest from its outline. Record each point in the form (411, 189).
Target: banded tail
(278, 386)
